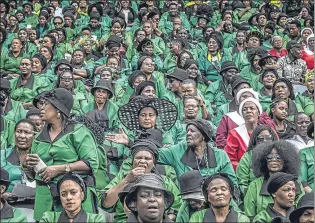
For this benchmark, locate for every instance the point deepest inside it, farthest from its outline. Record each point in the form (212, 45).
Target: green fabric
(156, 59)
(17, 112)
(262, 217)
(245, 17)
(221, 111)
(249, 75)
(265, 101)
(54, 217)
(229, 39)
(166, 26)
(199, 217)
(305, 103)
(244, 172)
(255, 203)
(24, 94)
(19, 216)
(10, 64)
(215, 95)
(307, 166)
(240, 59)
(172, 156)
(76, 145)
(79, 103)
(7, 135)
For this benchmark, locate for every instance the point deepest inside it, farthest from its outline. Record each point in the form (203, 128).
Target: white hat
(242, 91)
(256, 102)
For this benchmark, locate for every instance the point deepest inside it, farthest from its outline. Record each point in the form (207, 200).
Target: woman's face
(311, 44)
(148, 50)
(253, 42)
(192, 71)
(283, 21)
(305, 34)
(240, 37)
(47, 42)
(42, 20)
(113, 52)
(246, 3)
(87, 47)
(37, 120)
(208, 31)
(24, 135)
(263, 136)
(45, 52)
(262, 20)
(227, 17)
(219, 194)
(125, 4)
(277, 43)
(182, 33)
(32, 34)
(26, 67)
(113, 63)
(274, 162)
(304, 12)
(285, 195)
(47, 111)
(269, 79)
(147, 118)
(147, 28)
(116, 28)
(66, 81)
(106, 75)
(140, 36)
(310, 83)
(183, 59)
(191, 108)
(147, 66)
(255, 62)
(149, 92)
(101, 96)
(137, 81)
(250, 112)
(281, 90)
(143, 159)
(23, 36)
(58, 23)
(68, 22)
(16, 45)
(213, 46)
(307, 216)
(280, 111)
(78, 57)
(71, 195)
(36, 66)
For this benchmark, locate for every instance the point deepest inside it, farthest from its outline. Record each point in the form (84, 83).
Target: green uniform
(264, 99)
(305, 102)
(218, 93)
(166, 25)
(244, 172)
(249, 75)
(6, 133)
(240, 59)
(207, 215)
(307, 166)
(79, 103)
(10, 214)
(183, 159)
(81, 217)
(270, 213)
(245, 16)
(257, 197)
(75, 143)
(9, 63)
(14, 111)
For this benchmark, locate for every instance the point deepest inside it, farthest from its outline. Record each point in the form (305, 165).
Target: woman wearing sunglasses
(270, 158)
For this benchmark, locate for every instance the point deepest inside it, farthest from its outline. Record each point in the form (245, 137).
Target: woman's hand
(134, 174)
(120, 138)
(48, 173)
(31, 161)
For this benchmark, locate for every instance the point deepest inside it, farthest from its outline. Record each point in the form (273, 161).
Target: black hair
(26, 121)
(296, 22)
(274, 103)
(253, 138)
(297, 115)
(81, 50)
(37, 32)
(289, 85)
(24, 29)
(180, 56)
(119, 20)
(252, 52)
(288, 152)
(188, 98)
(4, 34)
(52, 38)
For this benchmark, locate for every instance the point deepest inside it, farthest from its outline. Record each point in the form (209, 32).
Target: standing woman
(61, 147)
(73, 192)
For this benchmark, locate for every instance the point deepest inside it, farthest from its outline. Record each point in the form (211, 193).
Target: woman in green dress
(29, 48)
(269, 158)
(305, 100)
(72, 191)
(61, 147)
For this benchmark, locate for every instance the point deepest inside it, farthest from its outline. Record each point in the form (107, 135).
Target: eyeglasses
(63, 68)
(66, 78)
(275, 157)
(261, 139)
(57, 23)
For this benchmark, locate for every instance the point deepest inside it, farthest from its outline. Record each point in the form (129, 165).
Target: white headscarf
(306, 49)
(242, 91)
(256, 102)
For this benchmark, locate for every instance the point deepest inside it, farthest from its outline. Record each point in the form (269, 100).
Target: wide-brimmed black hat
(60, 98)
(254, 34)
(265, 57)
(226, 65)
(166, 112)
(144, 43)
(306, 202)
(63, 61)
(310, 130)
(134, 75)
(103, 84)
(178, 74)
(154, 136)
(5, 84)
(153, 181)
(142, 85)
(4, 177)
(203, 126)
(191, 185)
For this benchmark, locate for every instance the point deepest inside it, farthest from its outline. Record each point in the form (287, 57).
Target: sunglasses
(275, 157)
(266, 138)
(63, 68)
(57, 23)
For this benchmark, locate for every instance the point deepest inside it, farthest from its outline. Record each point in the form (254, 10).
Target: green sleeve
(243, 172)
(167, 138)
(169, 184)
(307, 166)
(262, 217)
(242, 218)
(226, 166)
(50, 217)
(166, 155)
(96, 218)
(250, 200)
(212, 91)
(198, 216)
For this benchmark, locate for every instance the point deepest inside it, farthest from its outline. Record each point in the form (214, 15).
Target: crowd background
(157, 110)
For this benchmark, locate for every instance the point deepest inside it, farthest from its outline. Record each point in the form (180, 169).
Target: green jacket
(244, 172)
(75, 143)
(307, 166)
(183, 159)
(14, 111)
(81, 217)
(79, 103)
(166, 25)
(270, 213)
(257, 198)
(9, 63)
(240, 59)
(264, 99)
(218, 94)
(11, 214)
(6, 133)
(245, 17)
(305, 102)
(207, 215)
(249, 75)
(34, 86)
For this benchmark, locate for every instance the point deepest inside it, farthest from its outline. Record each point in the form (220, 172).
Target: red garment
(226, 124)
(283, 52)
(309, 60)
(236, 144)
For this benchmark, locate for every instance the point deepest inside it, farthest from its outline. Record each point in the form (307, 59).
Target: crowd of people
(157, 111)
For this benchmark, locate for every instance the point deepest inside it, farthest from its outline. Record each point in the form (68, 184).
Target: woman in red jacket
(308, 52)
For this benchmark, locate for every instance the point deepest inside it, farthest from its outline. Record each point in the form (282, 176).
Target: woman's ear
(82, 195)
(273, 109)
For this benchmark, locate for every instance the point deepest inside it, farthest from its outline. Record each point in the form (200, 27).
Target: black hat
(76, 178)
(178, 74)
(28, 4)
(270, 26)
(144, 146)
(60, 98)
(203, 16)
(292, 44)
(141, 60)
(254, 34)
(152, 181)
(277, 180)
(47, 9)
(134, 75)
(95, 15)
(237, 80)
(265, 57)
(5, 84)
(310, 130)
(63, 61)
(68, 8)
(218, 38)
(203, 126)
(189, 62)
(191, 185)
(42, 60)
(142, 85)
(144, 43)
(166, 112)
(251, 19)
(152, 14)
(33, 111)
(150, 135)
(69, 14)
(4, 177)
(113, 41)
(226, 65)
(98, 8)
(306, 202)
(122, 195)
(103, 84)
(7, 6)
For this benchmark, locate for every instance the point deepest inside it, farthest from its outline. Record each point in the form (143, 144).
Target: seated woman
(279, 115)
(39, 64)
(79, 152)
(28, 48)
(102, 111)
(49, 55)
(6, 133)
(305, 100)
(267, 78)
(66, 81)
(244, 171)
(270, 158)
(72, 191)
(144, 160)
(192, 68)
(11, 160)
(218, 190)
